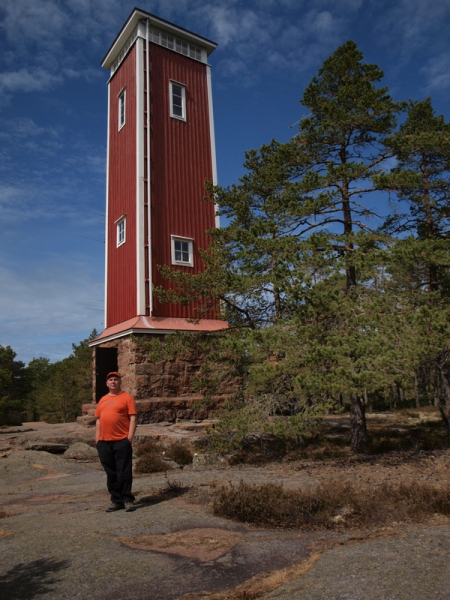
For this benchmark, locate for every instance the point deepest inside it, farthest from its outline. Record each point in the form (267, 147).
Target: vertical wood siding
(121, 275)
(180, 163)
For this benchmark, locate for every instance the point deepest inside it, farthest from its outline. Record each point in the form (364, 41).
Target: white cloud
(321, 23)
(50, 37)
(26, 80)
(89, 74)
(255, 33)
(26, 201)
(50, 21)
(53, 304)
(437, 73)
(413, 23)
(25, 127)
(223, 22)
(40, 20)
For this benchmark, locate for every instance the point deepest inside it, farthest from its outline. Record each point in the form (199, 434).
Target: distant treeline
(45, 391)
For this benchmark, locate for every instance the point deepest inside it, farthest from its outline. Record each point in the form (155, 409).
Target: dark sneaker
(129, 507)
(114, 506)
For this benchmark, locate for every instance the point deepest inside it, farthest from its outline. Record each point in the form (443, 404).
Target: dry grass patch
(180, 452)
(151, 454)
(334, 504)
(150, 458)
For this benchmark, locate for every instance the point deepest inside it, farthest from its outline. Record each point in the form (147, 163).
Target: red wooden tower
(161, 149)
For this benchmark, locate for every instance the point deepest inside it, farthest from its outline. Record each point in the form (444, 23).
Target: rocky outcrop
(81, 451)
(87, 419)
(52, 447)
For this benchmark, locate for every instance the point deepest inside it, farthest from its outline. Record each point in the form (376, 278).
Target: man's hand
(132, 428)
(97, 430)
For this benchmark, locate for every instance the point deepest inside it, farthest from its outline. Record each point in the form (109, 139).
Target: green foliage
(325, 301)
(14, 385)
(340, 146)
(39, 371)
(59, 389)
(420, 182)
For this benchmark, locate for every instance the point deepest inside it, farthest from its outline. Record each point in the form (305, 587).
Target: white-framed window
(121, 225)
(182, 251)
(122, 108)
(173, 43)
(177, 101)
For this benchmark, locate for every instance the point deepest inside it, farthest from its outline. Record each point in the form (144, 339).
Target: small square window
(182, 251)
(177, 101)
(121, 109)
(121, 231)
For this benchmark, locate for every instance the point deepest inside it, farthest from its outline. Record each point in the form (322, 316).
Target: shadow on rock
(29, 580)
(173, 490)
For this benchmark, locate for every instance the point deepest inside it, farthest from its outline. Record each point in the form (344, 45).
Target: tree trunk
(416, 389)
(367, 402)
(445, 410)
(398, 396)
(445, 420)
(436, 400)
(348, 224)
(359, 435)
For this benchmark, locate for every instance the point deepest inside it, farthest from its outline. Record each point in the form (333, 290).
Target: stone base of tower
(165, 389)
(164, 410)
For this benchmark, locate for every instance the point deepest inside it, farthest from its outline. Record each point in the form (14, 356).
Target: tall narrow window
(182, 251)
(177, 101)
(121, 230)
(122, 98)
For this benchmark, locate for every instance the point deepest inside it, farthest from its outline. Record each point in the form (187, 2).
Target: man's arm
(132, 427)
(97, 430)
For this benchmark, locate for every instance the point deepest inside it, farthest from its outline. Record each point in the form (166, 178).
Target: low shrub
(332, 504)
(150, 459)
(179, 452)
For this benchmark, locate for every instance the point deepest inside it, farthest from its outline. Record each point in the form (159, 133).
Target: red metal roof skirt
(160, 324)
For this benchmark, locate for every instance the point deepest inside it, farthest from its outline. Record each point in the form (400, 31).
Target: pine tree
(297, 221)
(421, 181)
(420, 262)
(340, 149)
(340, 146)
(14, 385)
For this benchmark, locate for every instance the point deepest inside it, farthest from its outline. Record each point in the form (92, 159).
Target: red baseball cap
(113, 374)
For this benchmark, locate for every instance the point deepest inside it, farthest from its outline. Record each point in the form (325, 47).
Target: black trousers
(116, 458)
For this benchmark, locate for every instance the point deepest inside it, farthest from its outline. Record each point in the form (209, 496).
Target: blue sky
(53, 123)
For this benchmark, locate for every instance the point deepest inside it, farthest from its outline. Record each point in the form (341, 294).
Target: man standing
(114, 431)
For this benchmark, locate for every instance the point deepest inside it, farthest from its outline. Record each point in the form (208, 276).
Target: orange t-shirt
(114, 414)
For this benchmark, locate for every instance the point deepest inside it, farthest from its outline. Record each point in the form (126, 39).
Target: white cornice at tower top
(131, 24)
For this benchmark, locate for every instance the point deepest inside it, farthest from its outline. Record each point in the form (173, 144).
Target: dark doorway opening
(105, 362)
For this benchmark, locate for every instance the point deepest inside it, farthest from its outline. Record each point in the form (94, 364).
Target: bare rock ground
(57, 542)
